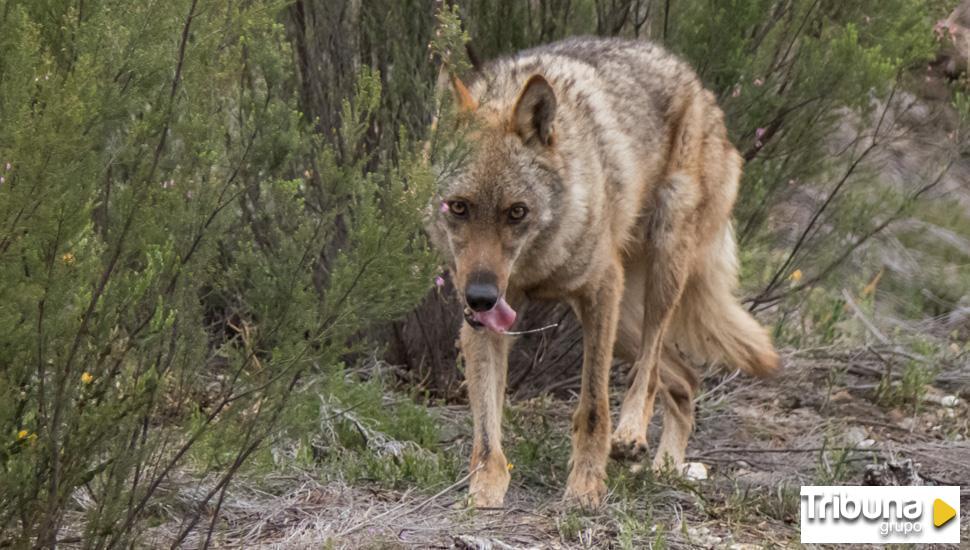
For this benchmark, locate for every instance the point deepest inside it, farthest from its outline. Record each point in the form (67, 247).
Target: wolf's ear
(448, 82)
(463, 97)
(535, 111)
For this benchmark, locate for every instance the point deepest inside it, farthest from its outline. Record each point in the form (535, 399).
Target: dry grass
(818, 422)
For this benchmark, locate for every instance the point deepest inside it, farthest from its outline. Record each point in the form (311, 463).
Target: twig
(561, 384)
(724, 382)
(803, 450)
(530, 331)
(766, 298)
(863, 319)
(809, 229)
(878, 424)
(903, 353)
(421, 505)
(666, 19)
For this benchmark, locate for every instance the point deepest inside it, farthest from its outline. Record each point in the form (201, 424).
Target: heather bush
(181, 250)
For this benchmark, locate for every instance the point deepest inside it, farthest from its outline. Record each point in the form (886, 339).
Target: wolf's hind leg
(486, 361)
(678, 385)
(667, 252)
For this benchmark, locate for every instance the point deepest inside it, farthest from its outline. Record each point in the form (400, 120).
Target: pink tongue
(499, 318)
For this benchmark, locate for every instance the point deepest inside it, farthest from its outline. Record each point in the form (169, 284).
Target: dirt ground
(816, 423)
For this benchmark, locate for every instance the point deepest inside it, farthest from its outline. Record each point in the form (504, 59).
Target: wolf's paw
(585, 488)
(488, 487)
(628, 446)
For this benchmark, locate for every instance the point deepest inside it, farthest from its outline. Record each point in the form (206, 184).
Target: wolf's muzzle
(470, 319)
(481, 293)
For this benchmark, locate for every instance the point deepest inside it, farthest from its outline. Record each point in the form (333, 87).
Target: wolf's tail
(711, 326)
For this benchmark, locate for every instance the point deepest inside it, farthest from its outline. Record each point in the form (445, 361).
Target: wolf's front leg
(486, 362)
(598, 309)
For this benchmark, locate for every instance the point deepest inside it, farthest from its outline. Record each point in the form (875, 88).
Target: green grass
(537, 449)
(362, 432)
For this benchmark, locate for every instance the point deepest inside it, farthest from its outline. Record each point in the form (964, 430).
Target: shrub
(179, 250)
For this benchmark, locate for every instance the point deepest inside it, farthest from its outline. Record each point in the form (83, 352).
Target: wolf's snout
(481, 296)
(486, 305)
(481, 291)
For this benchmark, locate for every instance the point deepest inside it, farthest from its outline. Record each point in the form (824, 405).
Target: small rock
(855, 435)
(702, 536)
(695, 471)
(866, 443)
(937, 397)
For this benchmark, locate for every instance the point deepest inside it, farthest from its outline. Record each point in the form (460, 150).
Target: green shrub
(179, 251)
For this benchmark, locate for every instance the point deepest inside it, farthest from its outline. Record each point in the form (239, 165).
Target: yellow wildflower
(795, 276)
(87, 378)
(22, 434)
(68, 258)
(509, 466)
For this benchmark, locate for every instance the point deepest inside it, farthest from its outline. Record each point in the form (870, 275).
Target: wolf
(600, 173)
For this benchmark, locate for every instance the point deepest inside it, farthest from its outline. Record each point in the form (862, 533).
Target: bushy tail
(712, 326)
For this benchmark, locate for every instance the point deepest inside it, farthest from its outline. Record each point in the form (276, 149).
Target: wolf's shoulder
(602, 54)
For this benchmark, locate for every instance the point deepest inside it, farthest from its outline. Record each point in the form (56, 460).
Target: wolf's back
(634, 81)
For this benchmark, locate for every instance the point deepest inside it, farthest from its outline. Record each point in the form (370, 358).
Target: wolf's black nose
(481, 296)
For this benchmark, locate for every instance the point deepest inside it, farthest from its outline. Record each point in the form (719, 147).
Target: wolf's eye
(459, 209)
(517, 213)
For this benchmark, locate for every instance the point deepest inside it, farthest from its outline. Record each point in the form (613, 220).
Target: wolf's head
(496, 204)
